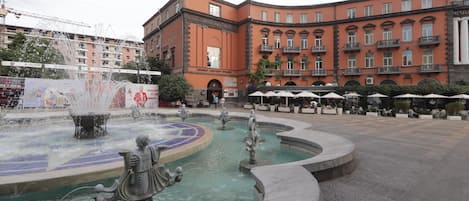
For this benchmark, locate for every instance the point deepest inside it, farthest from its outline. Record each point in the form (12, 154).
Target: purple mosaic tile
(40, 157)
(22, 172)
(189, 132)
(22, 166)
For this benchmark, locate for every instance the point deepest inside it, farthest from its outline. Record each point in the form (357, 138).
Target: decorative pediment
(265, 30)
(369, 26)
(278, 32)
(291, 32)
(351, 28)
(428, 19)
(318, 31)
(304, 32)
(388, 24)
(408, 21)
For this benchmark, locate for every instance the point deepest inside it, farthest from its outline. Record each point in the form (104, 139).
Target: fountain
(183, 113)
(252, 141)
(224, 118)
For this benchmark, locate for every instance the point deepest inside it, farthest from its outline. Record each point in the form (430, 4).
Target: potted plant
(402, 108)
(339, 108)
(373, 111)
(424, 113)
(454, 110)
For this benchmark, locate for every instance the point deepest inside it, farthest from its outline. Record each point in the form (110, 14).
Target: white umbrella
(434, 96)
(258, 93)
(408, 96)
(460, 96)
(332, 95)
(270, 94)
(377, 95)
(307, 94)
(285, 94)
(352, 95)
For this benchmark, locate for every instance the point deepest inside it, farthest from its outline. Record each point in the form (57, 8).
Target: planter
(425, 116)
(248, 106)
(372, 114)
(328, 111)
(296, 109)
(339, 110)
(263, 108)
(454, 118)
(406, 116)
(272, 108)
(256, 106)
(283, 109)
(307, 110)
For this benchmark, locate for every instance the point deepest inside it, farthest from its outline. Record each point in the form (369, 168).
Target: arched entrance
(428, 82)
(319, 83)
(214, 87)
(352, 83)
(290, 83)
(388, 82)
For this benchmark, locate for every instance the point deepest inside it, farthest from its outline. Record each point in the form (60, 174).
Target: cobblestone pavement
(398, 159)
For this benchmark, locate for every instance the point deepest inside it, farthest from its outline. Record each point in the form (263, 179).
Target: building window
(265, 39)
(406, 5)
(427, 30)
(318, 63)
(387, 8)
(426, 4)
(387, 59)
(407, 33)
(82, 61)
(427, 57)
(407, 58)
(214, 10)
(351, 13)
(352, 61)
(289, 18)
(368, 11)
(318, 41)
(369, 60)
(387, 34)
(213, 57)
(264, 15)
(290, 41)
(318, 17)
(352, 38)
(277, 41)
(304, 63)
(177, 6)
(277, 17)
(290, 63)
(304, 43)
(369, 37)
(304, 18)
(277, 62)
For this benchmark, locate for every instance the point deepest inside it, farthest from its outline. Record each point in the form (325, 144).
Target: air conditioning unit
(369, 81)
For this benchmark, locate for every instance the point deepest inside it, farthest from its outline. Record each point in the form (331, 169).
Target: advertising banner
(45, 93)
(141, 95)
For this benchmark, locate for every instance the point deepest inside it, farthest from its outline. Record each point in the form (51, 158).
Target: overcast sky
(112, 18)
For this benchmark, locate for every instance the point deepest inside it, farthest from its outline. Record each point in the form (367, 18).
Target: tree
(173, 87)
(156, 64)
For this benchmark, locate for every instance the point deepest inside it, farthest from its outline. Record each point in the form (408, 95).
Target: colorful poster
(141, 95)
(45, 93)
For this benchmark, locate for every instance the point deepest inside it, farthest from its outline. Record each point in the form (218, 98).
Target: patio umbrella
(434, 96)
(285, 94)
(258, 93)
(460, 96)
(352, 95)
(408, 96)
(270, 94)
(377, 95)
(332, 95)
(306, 94)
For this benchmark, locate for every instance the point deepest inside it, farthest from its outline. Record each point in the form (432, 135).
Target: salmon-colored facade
(215, 44)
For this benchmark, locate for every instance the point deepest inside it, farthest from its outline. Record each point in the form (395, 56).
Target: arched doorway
(319, 83)
(388, 82)
(290, 83)
(214, 87)
(352, 83)
(428, 82)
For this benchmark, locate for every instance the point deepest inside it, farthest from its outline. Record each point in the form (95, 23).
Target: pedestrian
(215, 101)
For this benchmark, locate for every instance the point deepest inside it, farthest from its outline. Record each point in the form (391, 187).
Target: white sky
(113, 18)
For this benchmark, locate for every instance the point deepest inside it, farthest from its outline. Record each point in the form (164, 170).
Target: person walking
(215, 100)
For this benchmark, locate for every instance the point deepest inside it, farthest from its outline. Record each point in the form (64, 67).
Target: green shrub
(402, 106)
(454, 108)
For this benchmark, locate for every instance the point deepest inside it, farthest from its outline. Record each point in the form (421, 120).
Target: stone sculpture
(143, 175)
(224, 117)
(183, 113)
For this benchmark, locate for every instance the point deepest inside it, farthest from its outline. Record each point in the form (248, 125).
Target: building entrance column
(456, 41)
(464, 41)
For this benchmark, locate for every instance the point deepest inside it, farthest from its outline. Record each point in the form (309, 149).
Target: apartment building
(86, 50)
(214, 43)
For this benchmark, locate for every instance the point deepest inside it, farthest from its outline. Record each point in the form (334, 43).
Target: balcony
(350, 47)
(352, 71)
(271, 72)
(389, 70)
(429, 40)
(266, 48)
(319, 49)
(291, 50)
(430, 68)
(319, 73)
(291, 73)
(384, 44)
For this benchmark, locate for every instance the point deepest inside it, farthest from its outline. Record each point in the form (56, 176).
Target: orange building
(214, 43)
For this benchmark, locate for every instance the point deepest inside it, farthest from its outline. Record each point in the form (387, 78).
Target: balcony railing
(318, 49)
(291, 72)
(352, 71)
(294, 50)
(266, 48)
(429, 40)
(387, 70)
(352, 47)
(430, 68)
(271, 72)
(318, 73)
(393, 43)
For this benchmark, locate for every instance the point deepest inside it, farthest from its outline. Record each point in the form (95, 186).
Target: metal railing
(429, 40)
(352, 47)
(430, 68)
(291, 50)
(352, 71)
(318, 49)
(388, 43)
(386, 70)
(291, 72)
(266, 48)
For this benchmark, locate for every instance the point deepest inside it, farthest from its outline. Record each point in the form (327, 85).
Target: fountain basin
(90, 125)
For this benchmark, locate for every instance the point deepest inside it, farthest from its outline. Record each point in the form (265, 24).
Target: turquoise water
(209, 175)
